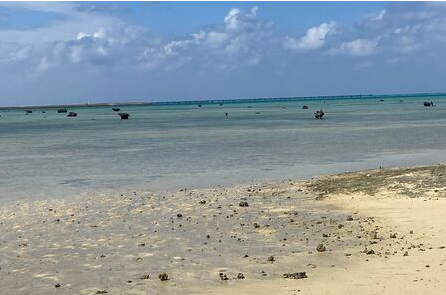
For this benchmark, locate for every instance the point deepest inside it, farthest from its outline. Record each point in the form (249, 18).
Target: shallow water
(166, 147)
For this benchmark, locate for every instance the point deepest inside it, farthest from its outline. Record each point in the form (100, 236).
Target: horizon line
(227, 100)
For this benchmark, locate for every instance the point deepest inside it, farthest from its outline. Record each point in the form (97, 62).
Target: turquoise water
(165, 147)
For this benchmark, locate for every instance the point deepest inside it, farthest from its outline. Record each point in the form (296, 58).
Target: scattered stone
(223, 277)
(240, 276)
(256, 225)
(349, 218)
(393, 236)
(406, 253)
(320, 248)
(145, 277)
(101, 292)
(57, 285)
(243, 204)
(369, 252)
(270, 259)
(163, 276)
(295, 275)
(179, 215)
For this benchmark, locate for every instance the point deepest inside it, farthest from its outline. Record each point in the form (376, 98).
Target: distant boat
(72, 114)
(124, 116)
(29, 111)
(305, 107)
(63, 110)
(116, 109)
(199, 105)
(428, 104)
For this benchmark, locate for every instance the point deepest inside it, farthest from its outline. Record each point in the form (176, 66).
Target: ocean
(173, 146)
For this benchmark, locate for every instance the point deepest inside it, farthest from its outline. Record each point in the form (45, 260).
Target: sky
(90, 52)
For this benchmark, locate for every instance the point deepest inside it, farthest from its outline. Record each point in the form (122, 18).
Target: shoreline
(120, 243)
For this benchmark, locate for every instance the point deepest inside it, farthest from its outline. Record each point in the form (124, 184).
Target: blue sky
(76, 52)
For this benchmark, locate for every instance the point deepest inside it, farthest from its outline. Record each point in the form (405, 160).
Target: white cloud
(380, 15)
(358, 47)
(314, 38)
(43, 65)
(235, 43)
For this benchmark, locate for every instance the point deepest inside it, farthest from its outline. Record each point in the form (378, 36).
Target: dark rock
(57, 285)
(223, 277)
(243, 204)
(145, 277)
(320, 248)
(270, 259)
(256, 225)
(101, 292)
(295, 275)
(163, 276)
(393, 236)
(179, 215)
(240, 276)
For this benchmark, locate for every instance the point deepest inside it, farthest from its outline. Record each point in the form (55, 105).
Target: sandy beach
(369, 232)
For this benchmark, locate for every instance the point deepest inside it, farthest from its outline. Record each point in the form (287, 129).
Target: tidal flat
(375, 231)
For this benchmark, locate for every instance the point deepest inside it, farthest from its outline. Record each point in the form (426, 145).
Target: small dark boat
(319, 114)
(199, 105)
(29, 111)
(116, 109)
(63, 110)
(124, 116)
(305, 107)
(72, 114)
(428, 104)
(221, 104)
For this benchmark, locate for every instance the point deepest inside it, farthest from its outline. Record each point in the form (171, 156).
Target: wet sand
(372, 232)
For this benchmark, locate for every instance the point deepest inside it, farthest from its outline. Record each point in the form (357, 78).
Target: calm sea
(166, 147)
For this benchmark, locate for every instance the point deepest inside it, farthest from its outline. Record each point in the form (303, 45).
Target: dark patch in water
(76, 182)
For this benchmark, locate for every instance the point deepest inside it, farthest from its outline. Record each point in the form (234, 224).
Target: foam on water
(171, 146)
